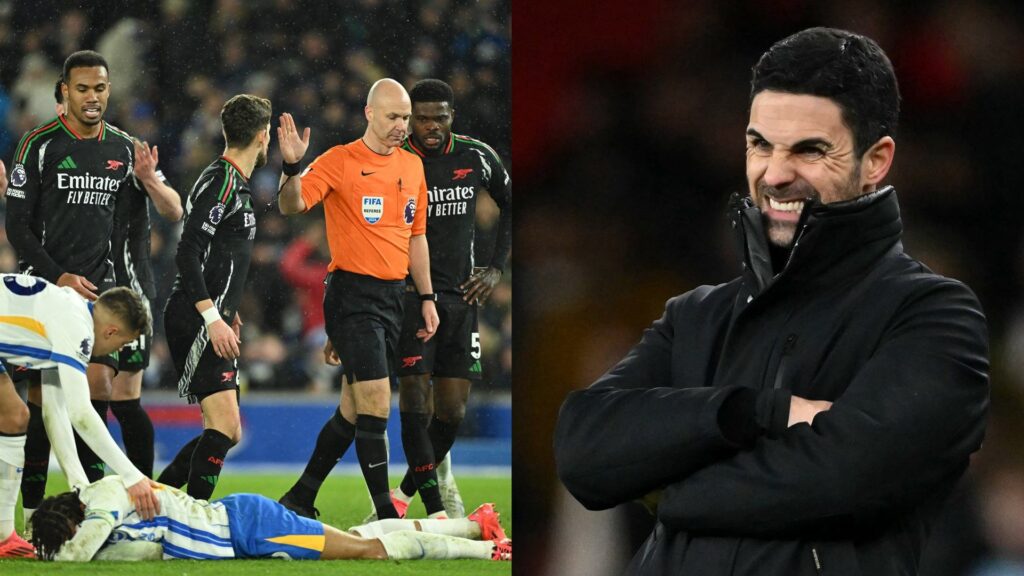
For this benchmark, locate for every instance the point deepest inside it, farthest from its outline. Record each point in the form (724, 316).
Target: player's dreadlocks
(52, 522)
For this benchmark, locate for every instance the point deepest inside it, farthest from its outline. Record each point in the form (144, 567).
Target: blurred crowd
(632, 140)
(173, 64)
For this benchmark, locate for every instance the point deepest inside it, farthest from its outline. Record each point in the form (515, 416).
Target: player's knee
(413, 400)
(236, 437)
(233, 430)
(230, 426)
(373, 399)
(15, 419)
(452, 414)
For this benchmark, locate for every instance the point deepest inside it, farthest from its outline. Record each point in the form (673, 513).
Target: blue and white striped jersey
(186, 527)
(42, 325)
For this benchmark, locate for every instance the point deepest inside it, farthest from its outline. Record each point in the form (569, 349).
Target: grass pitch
(343, 502)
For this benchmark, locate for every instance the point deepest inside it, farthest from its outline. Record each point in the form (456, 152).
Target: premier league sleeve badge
(410, 210)
(18, 176)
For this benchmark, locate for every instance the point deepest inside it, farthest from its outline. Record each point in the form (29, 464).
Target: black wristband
(431, 296)
(291, 169)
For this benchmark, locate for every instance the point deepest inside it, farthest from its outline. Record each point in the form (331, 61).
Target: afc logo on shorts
(373, 208)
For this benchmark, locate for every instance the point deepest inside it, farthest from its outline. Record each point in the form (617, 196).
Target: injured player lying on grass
(99, 522)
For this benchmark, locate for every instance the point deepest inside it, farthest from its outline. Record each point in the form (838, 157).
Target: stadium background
(627, 144)
(173, 63)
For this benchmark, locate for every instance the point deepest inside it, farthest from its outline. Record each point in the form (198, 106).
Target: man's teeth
(794, 206)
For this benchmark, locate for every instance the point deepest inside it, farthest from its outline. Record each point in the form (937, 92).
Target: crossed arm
(907, 421)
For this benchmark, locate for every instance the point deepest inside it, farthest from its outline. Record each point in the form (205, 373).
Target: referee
(375, 199)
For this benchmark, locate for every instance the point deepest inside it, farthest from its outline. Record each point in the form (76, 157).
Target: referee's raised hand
(293, 148)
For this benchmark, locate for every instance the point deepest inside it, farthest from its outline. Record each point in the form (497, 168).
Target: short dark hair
(83, 59)
(51, 523)
(847, 68)
(432, 90)
(129, 307)
(243, 117)
(57, 94)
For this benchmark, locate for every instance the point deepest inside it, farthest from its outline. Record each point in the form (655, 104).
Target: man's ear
(877, 161)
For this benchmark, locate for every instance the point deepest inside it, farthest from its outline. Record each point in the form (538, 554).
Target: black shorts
(200, 371)
(113, 360)
(21, 374)
(363, 317)
(135, 354)
(453, 352)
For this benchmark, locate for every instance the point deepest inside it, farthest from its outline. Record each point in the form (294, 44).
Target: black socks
(420, 455)
(334, 440)
(90, 461)
(442, 436)
(373, 459)
(207, 462)
(137, 432)
(37, 459)
(176, 473)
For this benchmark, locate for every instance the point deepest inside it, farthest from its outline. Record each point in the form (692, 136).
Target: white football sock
(407, 545)
(12, 460)
(460, 527)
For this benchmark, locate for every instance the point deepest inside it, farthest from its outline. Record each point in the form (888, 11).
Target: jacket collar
(834, 241)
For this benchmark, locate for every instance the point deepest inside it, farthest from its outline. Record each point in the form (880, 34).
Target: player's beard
(261, 159)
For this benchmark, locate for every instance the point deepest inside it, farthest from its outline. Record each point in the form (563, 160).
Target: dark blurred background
(173, 64)
(630, 119)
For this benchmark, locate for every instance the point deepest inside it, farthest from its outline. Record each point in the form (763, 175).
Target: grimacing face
(798, 148)
(85, 94)
(431, 125)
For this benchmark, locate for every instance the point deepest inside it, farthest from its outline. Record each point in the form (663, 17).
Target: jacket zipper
(817, 561)
(787, 348)
(796, 243)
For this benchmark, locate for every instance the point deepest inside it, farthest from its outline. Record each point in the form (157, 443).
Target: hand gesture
(804, 410)
(144, 499)
(293, 148)
(225, 341)
(79, 284)
(431, 320)
(330, 356)
(3, 178)
(480, 285)
(145, 160)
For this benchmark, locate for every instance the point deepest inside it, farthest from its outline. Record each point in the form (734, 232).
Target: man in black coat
(810, 416)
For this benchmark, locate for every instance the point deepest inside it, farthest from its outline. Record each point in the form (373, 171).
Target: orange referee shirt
(373, 203)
